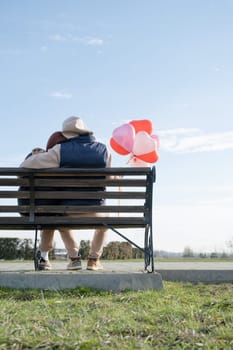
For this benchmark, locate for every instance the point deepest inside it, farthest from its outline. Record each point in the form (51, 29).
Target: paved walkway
(124, 266)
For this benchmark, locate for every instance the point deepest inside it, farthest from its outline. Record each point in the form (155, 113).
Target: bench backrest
(127, 193)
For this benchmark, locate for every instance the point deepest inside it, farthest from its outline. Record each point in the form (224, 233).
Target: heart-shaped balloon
(124, 136)
(117, 148)
(142, 125)
(143, 143)
(144, 147)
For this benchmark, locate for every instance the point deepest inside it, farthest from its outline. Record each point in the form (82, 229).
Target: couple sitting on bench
(74, 147)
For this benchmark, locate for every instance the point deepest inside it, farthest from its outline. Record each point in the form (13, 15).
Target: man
(79, 149)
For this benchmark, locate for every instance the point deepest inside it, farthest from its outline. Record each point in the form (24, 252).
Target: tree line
(189, 253)
(15, 248)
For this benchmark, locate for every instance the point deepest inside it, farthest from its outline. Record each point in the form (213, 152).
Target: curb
(197, 276)
(115, 282)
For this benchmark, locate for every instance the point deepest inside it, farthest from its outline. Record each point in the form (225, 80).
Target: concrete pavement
(118, 266)
(116, 276)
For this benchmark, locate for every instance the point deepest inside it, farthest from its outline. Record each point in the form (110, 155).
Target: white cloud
(177, 131)
(58, 94)
(194, 140)
(57, 37)
(89, 40)
(93, 41)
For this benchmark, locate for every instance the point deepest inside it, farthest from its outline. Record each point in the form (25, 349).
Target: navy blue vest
(83, 152)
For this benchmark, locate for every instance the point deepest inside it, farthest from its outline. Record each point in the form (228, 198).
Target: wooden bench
(128, 193)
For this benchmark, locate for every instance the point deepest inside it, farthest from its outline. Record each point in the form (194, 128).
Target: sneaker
(75, 264)
(94, 264)
(44, 264)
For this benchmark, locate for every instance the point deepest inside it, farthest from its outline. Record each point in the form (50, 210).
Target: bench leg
(149, 254)
(36, 252)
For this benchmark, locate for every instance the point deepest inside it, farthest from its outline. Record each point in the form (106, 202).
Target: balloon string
(119, 200)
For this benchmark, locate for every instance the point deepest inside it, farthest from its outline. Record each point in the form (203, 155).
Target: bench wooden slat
(90, 183)
(69, 221)
(74, 183)
(73, 195)
(14, 182)
(115, 171)
(74, 208)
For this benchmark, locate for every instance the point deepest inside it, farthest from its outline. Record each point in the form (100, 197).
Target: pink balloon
(143, 143)
(124, 136)
(156, 138)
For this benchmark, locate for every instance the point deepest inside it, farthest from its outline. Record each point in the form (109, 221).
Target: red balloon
(117, 148)
(142, 125)
(151, 157)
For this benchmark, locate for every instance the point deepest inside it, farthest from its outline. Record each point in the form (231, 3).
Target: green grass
(181, 316)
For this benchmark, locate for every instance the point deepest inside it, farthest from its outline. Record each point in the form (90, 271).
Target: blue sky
(109, 62)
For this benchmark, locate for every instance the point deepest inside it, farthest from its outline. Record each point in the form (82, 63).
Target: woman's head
(54, 139)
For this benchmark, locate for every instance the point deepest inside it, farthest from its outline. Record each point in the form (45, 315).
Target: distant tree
(84, 248)
(203, 255)
(125, 250)
(214, 255)
(188, 252)
(25, 249)
(137, 253)
(9, 248)
(224, 255)
(111, 251)
(230, 243)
